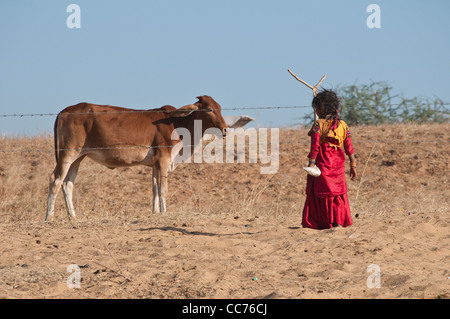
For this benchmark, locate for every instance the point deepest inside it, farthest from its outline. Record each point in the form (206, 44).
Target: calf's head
(205, 109)
(212, 115)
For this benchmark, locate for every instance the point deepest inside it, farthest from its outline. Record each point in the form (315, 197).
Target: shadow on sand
(195, 233)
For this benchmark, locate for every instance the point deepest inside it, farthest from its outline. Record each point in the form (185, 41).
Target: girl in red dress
(326, 202)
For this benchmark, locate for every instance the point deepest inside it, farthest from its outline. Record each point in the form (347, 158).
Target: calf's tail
(56, 137)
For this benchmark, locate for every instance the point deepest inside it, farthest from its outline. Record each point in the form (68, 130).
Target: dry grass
(400, 177)
(403, 179)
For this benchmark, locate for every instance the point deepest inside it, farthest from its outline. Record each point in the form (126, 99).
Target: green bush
(371, 104)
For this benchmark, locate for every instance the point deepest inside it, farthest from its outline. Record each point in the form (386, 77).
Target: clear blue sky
(144, 54)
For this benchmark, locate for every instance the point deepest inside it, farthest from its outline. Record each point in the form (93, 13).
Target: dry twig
(364, 170)
(112, 270)
(313, 88)
(112, 256)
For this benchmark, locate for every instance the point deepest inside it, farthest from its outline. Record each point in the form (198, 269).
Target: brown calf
(120, 137)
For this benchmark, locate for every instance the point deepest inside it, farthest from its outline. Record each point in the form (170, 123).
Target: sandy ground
(231, 232)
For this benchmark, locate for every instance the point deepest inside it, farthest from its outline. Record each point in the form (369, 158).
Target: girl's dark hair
(328, 104)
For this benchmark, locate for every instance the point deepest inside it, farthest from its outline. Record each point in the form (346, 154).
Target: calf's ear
(184, 110)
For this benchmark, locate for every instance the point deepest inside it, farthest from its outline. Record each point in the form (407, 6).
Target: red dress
(326, 195)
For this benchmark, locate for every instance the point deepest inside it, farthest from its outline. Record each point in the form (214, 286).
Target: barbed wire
(157, 111)
(169, 111)
(389, 141)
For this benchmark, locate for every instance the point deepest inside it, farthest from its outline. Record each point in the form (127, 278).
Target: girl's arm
(314, 151)
(348, 146)
(352, 166)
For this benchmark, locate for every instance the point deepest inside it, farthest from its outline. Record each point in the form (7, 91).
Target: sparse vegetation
(374, 104)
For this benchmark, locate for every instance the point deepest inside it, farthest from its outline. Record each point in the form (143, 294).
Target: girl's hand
(352, 173)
